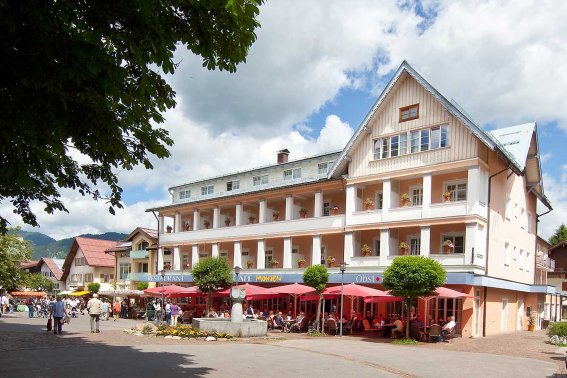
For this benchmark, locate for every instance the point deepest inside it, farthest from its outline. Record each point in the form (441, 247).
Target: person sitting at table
(279, 322)
(448, 328)
(441, 322)
(398, 328)
(368, 316)
(416, 320)
(296, 327)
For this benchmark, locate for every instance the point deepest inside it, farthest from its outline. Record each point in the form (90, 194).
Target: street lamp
(342, 268)
(162, 272)
(237, 270)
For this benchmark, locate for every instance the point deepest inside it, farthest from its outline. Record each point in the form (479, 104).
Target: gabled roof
(122, 247)
(54, 265)
(148, 232)
(491, 141)
(93, 250)
(559, 245)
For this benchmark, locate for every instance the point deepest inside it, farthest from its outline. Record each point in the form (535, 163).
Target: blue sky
(316, 70)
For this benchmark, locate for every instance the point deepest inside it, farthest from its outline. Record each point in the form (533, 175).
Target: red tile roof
(93, 250)
(53, 267)
(152, 234)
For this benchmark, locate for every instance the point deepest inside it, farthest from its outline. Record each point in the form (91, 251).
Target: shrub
(188, 331)
(147, 330)
(93, 287)
(142, 285)
(558, 329)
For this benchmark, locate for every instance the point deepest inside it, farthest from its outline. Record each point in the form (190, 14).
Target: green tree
(412, 277)
(93, 287)
(142, 285)
(211, 274)
(37, 282)
(88, 78)
(317, 277)
(13, 250)
(559, 236)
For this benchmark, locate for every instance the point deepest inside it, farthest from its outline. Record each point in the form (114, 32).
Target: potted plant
(447, 196)
(369, 203)
(303, 212)
(301, 263)
(331, 261)
(249, 264)
(206, 223)
(169, 229)
(404, 248)
(405, 198)
(276, 215)
(334, 210)
(186, 226)
(448, 246)
(366, 251)
(227, 222)
(275, 263)
(532, 320)
(167, 266)
(251, 219)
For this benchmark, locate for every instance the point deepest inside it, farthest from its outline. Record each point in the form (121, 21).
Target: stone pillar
(160, 264)
(196, 220)
(349, 247)
(238, 297)
(425, 241)
(287, 253)
(238, 217)
(261, 255)
(216, 217)
(318, 205)
(176, 258)
(288, 207)
(194, 254)
(386, 197)
(262, 211)
(470, 242)
(473, 187)
(384, 246)
(237, 254)
(215, 250)
(316, 250)
(425, 210)
(350, 205)
(178, 224)
(160, 224)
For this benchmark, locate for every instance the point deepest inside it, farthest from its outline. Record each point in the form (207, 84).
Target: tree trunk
(407, 317)
(317, 319)
(208, 305)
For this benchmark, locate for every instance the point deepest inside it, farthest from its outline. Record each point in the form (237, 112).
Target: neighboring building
(418, 170)
(87, 262)
(134, 257)
(31, 266)
(558, 277)
(52, 269)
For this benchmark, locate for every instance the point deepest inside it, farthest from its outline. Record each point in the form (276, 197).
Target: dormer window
(232, 185)
(407, 113)
(209, 189)
(184, 194)
(290, 174)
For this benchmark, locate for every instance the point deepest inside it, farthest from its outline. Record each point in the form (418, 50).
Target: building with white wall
(52, 269)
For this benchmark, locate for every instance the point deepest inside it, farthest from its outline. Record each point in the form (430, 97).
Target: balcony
(141, 254)
(271, 229)
(543, 262)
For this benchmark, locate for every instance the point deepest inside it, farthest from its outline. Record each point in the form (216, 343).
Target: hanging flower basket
(447, 196)
(276, 215)
(275, 263)
(331, 261)
(404, 248)
(303, 212)
(301, 263)
(249, 264)
(368, 204)
(366, 251)
(405, 199)
(448, 247)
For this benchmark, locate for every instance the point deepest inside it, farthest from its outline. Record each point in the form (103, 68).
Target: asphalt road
(26, 350)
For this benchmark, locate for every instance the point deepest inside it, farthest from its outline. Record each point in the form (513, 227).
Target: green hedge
(559, 329)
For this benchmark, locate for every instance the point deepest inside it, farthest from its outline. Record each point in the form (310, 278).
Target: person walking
(104, 309)
(175, 310)
(116, 310)
(31, 306)
(59, 312)
(94, 308)
(168, 313)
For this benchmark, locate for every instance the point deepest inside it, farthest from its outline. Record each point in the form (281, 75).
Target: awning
(28, 293)
(79, 293)
(121, 293)
(66, 292)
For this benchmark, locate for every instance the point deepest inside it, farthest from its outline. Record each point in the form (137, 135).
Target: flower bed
(188, 331)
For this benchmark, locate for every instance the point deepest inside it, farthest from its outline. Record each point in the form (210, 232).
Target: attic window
(408, 113)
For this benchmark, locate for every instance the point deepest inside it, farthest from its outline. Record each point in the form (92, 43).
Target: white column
(425, 212)
(318, 205)
(160, 224)
(287, 253)
(470, 242)
(237, 254)
(316, 250)
(473, 188)
(261, 255)
(196, 220)
(425, 242)
(350, 205)
(262, 212)
(178, 222)
(386, 196)
(238, 218)
(349, 247)
(288, 207)
(160, 259)
(215, 250)
(384, 246)
(216, 217)
(194, 254)
(176, 258)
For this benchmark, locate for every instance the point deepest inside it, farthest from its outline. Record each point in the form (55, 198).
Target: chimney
(282, 156)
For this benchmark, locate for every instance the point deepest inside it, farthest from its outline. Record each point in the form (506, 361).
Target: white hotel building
(414, 143)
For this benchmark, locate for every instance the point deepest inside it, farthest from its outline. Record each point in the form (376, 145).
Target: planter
(168, 229)
(531, 327)
(404, 251)
(276, 217)
(251, 220)
(334, 212)
(227, 223)
(332, 265)
(250, 265)
(447, 198)
(405, 203)
(447, 250)
(303, 215)
(368, 207)
(366, 254)
(300, 264)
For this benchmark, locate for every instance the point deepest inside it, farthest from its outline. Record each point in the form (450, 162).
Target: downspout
(488, 245)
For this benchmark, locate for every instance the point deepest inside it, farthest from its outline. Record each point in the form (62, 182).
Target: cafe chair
(332, 326)
(434, 332)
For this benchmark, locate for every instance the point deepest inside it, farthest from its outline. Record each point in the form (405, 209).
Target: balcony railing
(141, 254)
(544, 262)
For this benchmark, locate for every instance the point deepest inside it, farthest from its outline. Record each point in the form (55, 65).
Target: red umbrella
(445, 292)
(192, 291)
(252, 292)
(163, 290)
(354, 290)
(295, 290)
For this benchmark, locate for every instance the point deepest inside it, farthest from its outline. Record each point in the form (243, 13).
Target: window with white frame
(124, 271)
(88, 277)
(76, 278)
(143, 245)
(416, 195)
(415, 245)
(292, 174)
(259, 180)
(209, 189)
(106, 278)
(232, 185)
(268, 257)
(143, 267)
(379, 200)
(458, 190)
(458, 241)
(323, 168)
(295, 250)
(507, 253)
(185, 194)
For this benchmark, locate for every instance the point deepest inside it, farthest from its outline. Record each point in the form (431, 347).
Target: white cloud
(556, 191)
